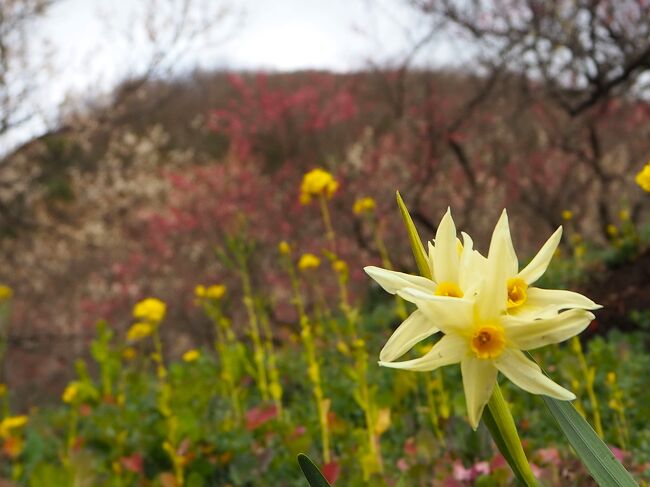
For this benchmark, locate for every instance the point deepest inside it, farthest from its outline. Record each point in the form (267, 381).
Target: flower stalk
(588, 374)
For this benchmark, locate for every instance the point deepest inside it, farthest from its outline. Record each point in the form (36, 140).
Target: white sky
(91, 50)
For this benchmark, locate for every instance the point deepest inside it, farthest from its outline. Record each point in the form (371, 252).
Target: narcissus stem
(498, 419)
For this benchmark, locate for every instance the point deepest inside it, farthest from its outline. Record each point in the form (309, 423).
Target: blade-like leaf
(416, 243)
(595, 455)
(311, 472)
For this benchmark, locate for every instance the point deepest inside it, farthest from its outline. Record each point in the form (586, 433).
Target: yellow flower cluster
(216, 291)
(643, 178)
(308, 261)
(11, 423)
(71, 392)
(5, 292)
(317, 182)
(364, 205)
(150, 309)
(139, 330)
(191, 355)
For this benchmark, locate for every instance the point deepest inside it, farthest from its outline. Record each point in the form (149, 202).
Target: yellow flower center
(488, 341)
(516, 292)
(450, 289)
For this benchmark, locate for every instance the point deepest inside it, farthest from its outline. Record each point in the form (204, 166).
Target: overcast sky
(90, 49)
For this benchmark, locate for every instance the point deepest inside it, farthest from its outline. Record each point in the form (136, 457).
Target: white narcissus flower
(453, 267)
(481, 335)
(533, 302)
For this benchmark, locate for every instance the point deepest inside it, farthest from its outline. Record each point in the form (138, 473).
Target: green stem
(498, 419)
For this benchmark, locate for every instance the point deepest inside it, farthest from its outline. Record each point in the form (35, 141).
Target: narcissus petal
(528, 335)
(479, 378)
(538, 265)
(527, 375)
(450, 349)
(415, 328)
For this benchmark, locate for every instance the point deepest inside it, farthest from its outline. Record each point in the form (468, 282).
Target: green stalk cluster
(372, 461)
(226, 346)
(170, 445)
(589, 377)
(309, 349)
(617, 404)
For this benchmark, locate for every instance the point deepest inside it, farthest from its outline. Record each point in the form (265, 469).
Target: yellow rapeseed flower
(5, 292)
(129, 353)
(150, 309)
(3, 390)
(11, 423)
(138, 331)
(624, 215)
(567, 215)
(340, 266)
(317, 182)
(284, 248)
(364, 205)
(216, 291)
(308, 261)
(643, 178)
(612, 231)
(70, 393)
(191, 355)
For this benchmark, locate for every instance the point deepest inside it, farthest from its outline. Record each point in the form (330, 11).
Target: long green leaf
(311, 472)
(596, 456)
(416, 243)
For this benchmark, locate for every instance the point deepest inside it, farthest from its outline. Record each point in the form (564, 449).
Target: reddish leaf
(133, 463)
(331, 471)
(256, 417)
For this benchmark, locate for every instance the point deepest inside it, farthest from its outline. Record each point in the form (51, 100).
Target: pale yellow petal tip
(391, 365)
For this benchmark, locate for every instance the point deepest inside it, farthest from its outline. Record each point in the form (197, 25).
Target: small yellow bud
(129, 353)
(11, 423)
(314, 373)
(567, 215)
(308, 261)
(191, 355)
(276, 391)
(199, 291)
(138, 331)
(340, 266)
(643, 178)
(6, 292)
(383, 421)
(284, 248)
(70, 393)
(611, 378)
(3, 390)
(624, 215)
(612, 231)
(364, 205)
(342, 347)
(216, 291)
